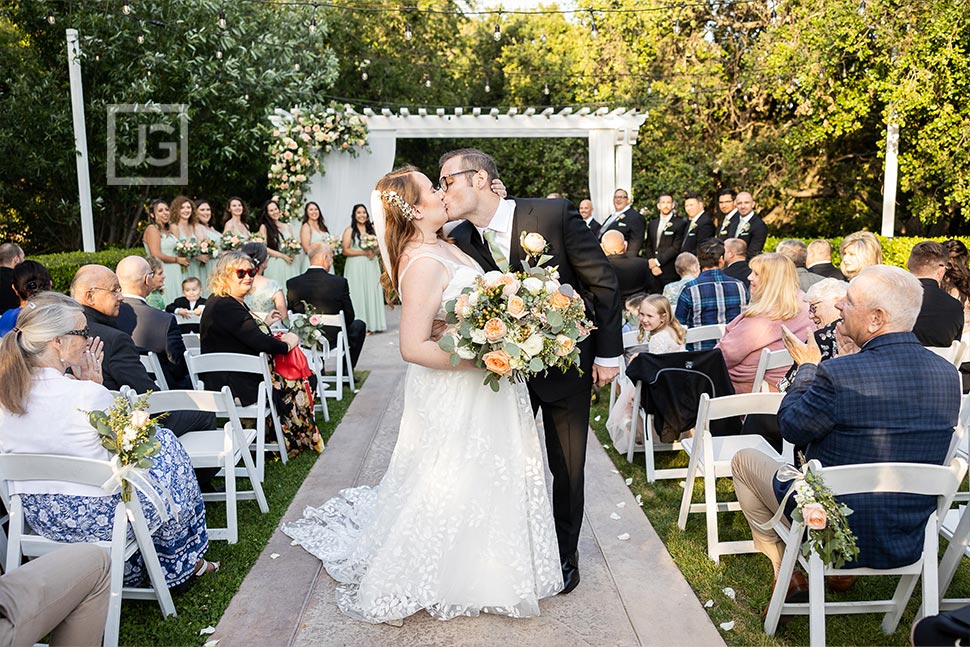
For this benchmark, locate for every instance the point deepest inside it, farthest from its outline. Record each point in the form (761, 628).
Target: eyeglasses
(115, 291)
(251, 272)
(83, 332)
(728, 201)
(812, 306)
(445, 184)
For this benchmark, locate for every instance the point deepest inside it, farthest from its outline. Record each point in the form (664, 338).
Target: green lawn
(204, 604)
(749, 575)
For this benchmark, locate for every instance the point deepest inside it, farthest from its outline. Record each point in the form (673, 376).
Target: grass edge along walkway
(203, 605)
(749, 575)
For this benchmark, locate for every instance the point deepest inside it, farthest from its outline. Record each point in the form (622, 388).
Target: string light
(427, 81)
(408, 34)
(545, 89)
(592, 20)
(497, 34)
(140, 37)
(126, 8)
(218, 52)
(50, 17)
(222, 20)
(313, 25)
(488, 87)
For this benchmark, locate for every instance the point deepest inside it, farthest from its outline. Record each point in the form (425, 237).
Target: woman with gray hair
(821, 298)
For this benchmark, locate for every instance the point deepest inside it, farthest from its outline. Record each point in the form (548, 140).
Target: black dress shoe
(570, 574)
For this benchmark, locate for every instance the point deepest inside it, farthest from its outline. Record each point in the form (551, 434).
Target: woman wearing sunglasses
(229, 326)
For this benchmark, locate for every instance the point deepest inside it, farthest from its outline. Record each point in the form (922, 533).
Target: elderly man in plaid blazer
(894, 400)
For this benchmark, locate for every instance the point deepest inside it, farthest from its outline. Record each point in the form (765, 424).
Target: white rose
(466, 311)
(478, 336)
(534, 244)
(533, 285)
(532, 346)
(552, 287)
(466, 353)
(491, 278)
(516, 363)
(472, 298)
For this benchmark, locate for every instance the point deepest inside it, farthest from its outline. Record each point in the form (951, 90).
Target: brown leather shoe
(797, 592)
(840, 583)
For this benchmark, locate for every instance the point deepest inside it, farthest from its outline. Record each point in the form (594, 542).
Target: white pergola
(611, 135)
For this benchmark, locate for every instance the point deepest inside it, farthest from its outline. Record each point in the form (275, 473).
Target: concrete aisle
(631, 592)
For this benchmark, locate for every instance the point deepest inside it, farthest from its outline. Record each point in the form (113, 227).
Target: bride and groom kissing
(461, 522)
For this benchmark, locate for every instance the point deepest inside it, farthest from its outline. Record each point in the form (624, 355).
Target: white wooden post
(80, 141)
(889, 179)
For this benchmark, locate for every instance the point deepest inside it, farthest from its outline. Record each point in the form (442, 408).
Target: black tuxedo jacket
(594, 226)
(940, 320)
(632, 225)
(326, 292)
(582, 264)
(671, 240)
(633, 274)
(755, 235)
(827, 270)
(156, 331)
(121, 364)
(704, 230)
(739, 270)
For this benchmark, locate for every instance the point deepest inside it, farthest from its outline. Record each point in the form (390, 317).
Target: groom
(491, 230)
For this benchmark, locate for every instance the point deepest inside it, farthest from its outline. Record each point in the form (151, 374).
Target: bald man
(151, 329)
(632, 272)
(586, 211)
(747, 225)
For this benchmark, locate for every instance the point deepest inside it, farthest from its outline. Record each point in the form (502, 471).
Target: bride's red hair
(398, 230)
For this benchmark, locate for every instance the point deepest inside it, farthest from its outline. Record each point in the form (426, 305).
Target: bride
(461, 522)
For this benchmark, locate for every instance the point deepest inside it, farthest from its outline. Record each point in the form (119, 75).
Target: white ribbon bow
(141, 480)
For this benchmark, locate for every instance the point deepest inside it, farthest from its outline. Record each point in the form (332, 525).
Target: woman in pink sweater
(775, 300)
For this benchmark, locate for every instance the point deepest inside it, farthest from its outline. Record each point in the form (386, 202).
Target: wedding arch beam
(611, 134)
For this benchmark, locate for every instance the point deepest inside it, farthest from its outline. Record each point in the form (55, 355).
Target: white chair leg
(113, 622)
(777, 602)
(689, 484)
(257, 486)
(16, 530)
(340, 371)
(710, 512)
(232, 521)
(150, 558)
(816, 601)
(904, 591)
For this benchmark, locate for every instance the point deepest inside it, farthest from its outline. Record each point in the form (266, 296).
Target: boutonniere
(742, 229)
(621, 215)
(535, 248)
(693, 226)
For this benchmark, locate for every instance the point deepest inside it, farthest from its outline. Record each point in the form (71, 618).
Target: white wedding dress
(461, 522)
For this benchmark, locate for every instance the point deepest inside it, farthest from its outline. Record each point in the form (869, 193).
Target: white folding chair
(960, 443)
(910, 478)
(645, 422)
(223, 448)
(191, 341)
(252, 364)
(954, 353)
(154, 367)
(711, 332)
(629, 339)
(316, 358)
(710, 458)
(24, 542)
(340, 353)
(770, 360)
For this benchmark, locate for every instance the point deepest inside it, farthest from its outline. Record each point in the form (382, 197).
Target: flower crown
(407, 209)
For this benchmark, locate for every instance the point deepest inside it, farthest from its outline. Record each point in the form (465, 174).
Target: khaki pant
(64, 593)
(753, 473)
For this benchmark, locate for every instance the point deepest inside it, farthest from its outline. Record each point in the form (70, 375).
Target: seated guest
(228, 326)
(40, 398)
(956, 280)
(266, 294)
(818, 260)
(822, 299)
(29, 278)
(151, 329)
(940, 320)
(190, 304)
(631, 312)
(689, 269)
(775, 301)
(859, 250)
(97, 289)
(713, 297)
(735, 260)
(795, 251)
(848, 411)
(328, 294)
(156, 298)
(10, 257)
(63, 593)
(632, 272)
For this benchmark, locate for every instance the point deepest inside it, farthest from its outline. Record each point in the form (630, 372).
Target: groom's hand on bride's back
(437, 329)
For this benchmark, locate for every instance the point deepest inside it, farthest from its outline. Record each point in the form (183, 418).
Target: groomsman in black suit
(725, 204)
(627, 221)
(700, 226)
(492, 227)
(586, 211)
(747, 225)
(328, 294)
(818, 260)
(665, 237)
(632, 272)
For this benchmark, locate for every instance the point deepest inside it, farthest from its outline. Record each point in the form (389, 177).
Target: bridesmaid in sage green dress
(314, 229)
(160, 239)
(186, 227)
(363, 272)
(273, 231)
(300, 261)
(203, 212)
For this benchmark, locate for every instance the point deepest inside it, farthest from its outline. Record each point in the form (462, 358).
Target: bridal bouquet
(828, 531)
(231, 240)
(308, 326)
(368, 242)
(187, 247)
(516, 325)
(206, 247)
(336, 244)
(290, 246)
(127, 431)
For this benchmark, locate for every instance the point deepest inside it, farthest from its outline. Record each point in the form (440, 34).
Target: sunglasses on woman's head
(251, 272)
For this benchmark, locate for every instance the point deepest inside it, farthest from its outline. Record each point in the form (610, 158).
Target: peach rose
(495, 329)
(461, 303)
(516, 307)
(498, 361)
(511, 284)
(533, 244)
(559, 300)
(139, 419)
(565, 345)
(814, 516)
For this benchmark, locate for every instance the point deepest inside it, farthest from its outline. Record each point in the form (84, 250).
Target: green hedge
(63, 266)
(895, 251)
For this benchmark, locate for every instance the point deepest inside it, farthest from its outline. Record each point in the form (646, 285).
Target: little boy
(190, 303)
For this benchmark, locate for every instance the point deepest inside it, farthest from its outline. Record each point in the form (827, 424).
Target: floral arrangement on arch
(299, 142)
